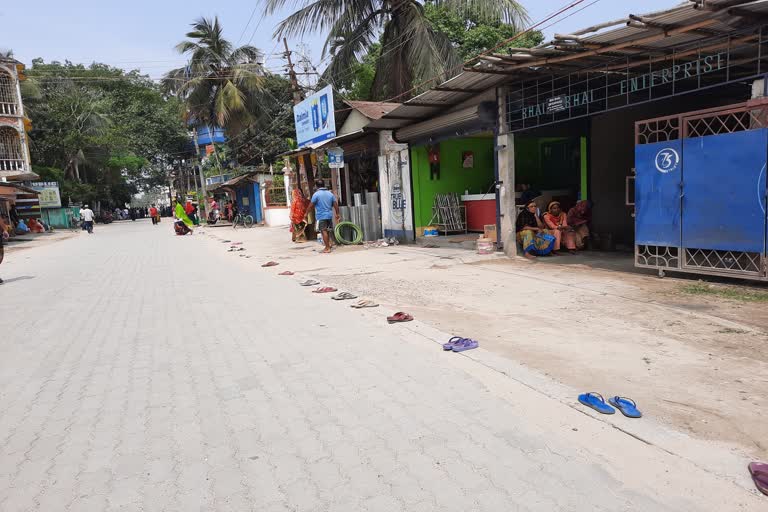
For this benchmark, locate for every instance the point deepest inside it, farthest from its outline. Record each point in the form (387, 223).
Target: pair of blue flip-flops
(595, 401)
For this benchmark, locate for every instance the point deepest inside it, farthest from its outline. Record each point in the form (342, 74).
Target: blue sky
(142, 33)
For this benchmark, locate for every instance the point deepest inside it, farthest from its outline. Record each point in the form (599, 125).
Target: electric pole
(298, 96)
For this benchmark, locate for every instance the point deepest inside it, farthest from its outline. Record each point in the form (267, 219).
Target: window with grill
(275, 193)
(10, 144)
(8, 104)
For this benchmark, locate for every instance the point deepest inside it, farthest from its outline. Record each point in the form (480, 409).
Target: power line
(253, 13)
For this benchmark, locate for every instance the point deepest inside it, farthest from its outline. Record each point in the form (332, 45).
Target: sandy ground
(695, 364)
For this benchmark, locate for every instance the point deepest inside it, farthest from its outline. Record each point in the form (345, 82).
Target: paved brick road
(143, 371)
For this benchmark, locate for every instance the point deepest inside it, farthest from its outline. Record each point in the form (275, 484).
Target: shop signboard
(314, 118)
(49, 193)
(633, 81)
(336, 158)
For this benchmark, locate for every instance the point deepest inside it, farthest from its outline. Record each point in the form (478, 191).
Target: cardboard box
(489, 232)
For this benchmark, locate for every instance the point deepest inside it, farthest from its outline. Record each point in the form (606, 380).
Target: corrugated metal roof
(372, 109)
(659, 33)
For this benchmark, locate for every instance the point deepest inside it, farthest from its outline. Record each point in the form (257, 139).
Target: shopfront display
(463, 166)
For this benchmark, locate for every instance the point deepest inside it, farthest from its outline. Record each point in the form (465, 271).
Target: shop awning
(637, 40)
(11, 190)
(341, 139)
(232, 183)
(636, 37)
(305, 150)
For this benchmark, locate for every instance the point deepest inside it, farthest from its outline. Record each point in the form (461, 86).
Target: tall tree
(220, 81)
(102, 132)
(471, 34)
(411, 49)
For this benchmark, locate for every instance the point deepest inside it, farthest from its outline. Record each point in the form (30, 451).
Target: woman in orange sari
(557, 222)
(299, 207)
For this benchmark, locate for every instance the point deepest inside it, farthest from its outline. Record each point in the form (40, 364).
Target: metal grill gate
(700, 192)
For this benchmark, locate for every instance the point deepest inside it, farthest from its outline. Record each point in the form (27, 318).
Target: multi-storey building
(14, 152)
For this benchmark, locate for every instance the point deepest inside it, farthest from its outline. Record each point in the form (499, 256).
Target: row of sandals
(758, 470)
(455, 344)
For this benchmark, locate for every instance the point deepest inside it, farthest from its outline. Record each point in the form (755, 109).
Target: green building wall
(453, 176)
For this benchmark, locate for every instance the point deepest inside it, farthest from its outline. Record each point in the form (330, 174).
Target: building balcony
(8, 109)
(12, 165)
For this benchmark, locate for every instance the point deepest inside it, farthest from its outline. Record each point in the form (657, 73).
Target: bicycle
(242, 220)
(73, 223)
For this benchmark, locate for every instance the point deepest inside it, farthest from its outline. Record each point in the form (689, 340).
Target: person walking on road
(154, 214)
(326, 208)
(5, 233)
(86, 214)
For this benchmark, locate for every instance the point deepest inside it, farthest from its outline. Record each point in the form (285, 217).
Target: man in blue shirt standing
(326, 208)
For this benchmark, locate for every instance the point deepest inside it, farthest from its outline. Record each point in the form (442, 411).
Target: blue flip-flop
(627, 406)
(597, 402)
(465, 344)
(452, 342)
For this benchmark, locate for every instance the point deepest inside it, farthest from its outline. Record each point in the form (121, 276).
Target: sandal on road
(344, 296)
(465, 344)
(310, 282)
(364, 304)
(270, 264)
(451, 342)
(627, 406)
(286, 273)
(759, 472)
(325, 289)
(459, 344)
(399, 317)
(597, 402)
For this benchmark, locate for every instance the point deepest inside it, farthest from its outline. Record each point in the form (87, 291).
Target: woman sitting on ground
(180, 228)
(531, 233)
(579, 218)
(557, 222)
(35, 226)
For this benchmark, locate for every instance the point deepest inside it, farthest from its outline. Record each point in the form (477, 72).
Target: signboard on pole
(336, 158)
(314, 118)
(49, 193)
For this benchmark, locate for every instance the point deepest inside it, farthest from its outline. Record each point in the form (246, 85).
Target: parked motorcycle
(213, 217)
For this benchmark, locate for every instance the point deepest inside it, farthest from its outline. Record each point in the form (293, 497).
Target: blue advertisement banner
(314, 118)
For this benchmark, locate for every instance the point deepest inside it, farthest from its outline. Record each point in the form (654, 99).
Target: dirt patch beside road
(696, 362)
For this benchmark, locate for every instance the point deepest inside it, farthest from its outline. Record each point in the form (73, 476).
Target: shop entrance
(550, 169)
(599, 167)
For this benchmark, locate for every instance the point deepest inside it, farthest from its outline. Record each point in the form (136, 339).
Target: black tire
(248, 221)
(235, 221)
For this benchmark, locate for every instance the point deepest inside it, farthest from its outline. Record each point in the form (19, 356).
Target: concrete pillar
(505, 147)
(758, 89)
(506, 153)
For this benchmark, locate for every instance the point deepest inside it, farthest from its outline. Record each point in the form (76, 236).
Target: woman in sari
(299, 207)
(531, 233)
(557, 222)
(579, 218)
(183, 224)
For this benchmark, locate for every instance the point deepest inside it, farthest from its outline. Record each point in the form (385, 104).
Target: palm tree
(411, 50)
(220, 82)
